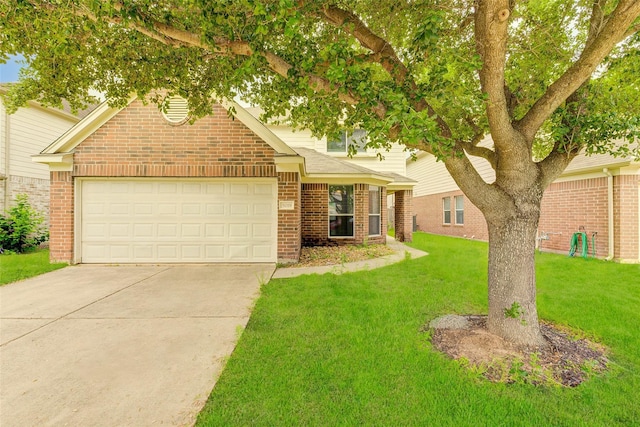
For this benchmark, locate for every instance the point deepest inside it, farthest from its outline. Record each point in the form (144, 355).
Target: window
(357, 139)
(459, 209)
(341, 211)
(446, 210)
(374, 210)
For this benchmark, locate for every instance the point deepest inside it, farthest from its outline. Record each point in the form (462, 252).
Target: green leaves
(328, 78)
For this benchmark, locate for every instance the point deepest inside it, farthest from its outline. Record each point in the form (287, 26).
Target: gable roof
(319, 167)
(104, 112)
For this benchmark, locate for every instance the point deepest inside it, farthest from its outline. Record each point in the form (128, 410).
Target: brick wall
(61, 217)
(139, 142)
(429, 217)
(626, 206)
(315, 216)
(36, 189)
(568, 206)
(403, 215)
(289, 221)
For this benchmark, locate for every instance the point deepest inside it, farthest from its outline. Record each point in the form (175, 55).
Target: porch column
(403, 211)
(289, 217)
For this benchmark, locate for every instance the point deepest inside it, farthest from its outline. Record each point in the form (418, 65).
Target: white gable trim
(103, 113)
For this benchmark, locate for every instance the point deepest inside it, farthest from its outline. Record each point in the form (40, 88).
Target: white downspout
(7, 163)
(610, 212)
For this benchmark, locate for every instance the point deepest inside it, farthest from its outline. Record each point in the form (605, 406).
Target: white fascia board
(78, 133)
(346, 179)
(286, 163)
(57, 161)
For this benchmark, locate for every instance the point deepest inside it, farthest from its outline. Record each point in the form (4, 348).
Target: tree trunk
(512, 279)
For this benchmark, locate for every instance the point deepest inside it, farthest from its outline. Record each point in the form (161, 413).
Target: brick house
(596, 194)
(28, 130)
(137, 185)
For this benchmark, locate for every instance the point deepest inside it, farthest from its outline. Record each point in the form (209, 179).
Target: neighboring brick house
(595, 194)
(23, 133)
(135, 185)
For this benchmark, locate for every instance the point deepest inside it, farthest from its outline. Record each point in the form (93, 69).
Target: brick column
(404, 220)
(361, 213)
(289, 220)
(61, 217)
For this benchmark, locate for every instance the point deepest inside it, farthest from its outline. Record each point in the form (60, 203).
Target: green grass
(347, 350)
(22, 266)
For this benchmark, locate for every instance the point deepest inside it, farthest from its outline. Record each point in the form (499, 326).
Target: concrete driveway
(120, 346)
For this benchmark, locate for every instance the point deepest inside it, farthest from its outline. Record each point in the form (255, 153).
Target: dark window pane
(341, 226)
(374, 225)
(339, 145)
(447, 217)
(340, 199)
(374, 199)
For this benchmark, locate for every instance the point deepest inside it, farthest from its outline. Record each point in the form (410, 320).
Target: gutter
(610, 212)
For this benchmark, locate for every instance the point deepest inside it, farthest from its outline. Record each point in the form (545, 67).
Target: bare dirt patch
(333, 255)
(568, 360)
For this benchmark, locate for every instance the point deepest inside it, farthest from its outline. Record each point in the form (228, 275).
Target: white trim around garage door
(176, 220)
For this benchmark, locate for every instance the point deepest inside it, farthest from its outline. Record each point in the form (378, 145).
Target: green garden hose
(574, 244)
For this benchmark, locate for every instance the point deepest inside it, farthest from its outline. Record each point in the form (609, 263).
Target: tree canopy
(544, 78)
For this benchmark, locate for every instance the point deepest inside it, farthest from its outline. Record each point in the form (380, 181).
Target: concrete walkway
(119, 346)
(401, 251)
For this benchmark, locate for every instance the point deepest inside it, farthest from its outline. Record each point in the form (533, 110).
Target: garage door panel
(176, 221)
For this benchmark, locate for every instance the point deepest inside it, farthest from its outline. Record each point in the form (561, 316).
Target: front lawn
(22, 266)
(348, 350)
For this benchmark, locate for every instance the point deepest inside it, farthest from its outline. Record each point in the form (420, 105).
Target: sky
(9, 71)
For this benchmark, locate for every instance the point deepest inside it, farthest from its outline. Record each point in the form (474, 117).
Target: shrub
(21, 227)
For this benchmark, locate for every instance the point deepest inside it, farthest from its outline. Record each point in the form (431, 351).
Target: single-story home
(27, 131)
(598, 195)
(140, 185)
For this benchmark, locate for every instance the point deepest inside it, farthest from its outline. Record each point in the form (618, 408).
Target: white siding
(433, 177)
(30, 130)
(394, 160)
(3, 134)
(298, 138)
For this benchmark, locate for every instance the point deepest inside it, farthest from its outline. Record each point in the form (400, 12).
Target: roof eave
(85, 127)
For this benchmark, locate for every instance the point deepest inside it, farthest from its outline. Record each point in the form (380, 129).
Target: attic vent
(177, 111)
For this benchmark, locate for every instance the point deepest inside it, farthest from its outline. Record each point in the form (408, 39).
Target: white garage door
(157, 221)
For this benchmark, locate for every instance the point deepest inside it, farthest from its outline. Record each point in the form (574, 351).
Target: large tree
(544, 78)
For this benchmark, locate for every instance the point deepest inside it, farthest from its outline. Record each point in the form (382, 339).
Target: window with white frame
(459, 200)
(446, 210)
(341, 218)
(356, 139)
(375, 202)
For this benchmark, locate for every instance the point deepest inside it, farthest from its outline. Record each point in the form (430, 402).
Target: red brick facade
(61, 217)
(404, 218)
(566, 207)
(315, 219)
(289, 221)
(139, 142)
(430, 217)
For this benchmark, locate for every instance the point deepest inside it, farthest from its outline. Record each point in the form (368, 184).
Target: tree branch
(491, 25)
(174, 37)
(385, 55)
(613, 30)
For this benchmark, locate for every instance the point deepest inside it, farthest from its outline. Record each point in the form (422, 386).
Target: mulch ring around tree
(568, 360)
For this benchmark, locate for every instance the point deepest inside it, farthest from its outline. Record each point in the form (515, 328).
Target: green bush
(21, 228)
